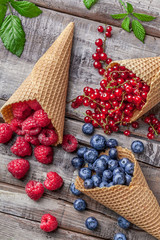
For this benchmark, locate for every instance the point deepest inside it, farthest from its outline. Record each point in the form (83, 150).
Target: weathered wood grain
(104, 8)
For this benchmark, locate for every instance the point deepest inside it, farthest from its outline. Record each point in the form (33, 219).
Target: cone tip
(71, 24)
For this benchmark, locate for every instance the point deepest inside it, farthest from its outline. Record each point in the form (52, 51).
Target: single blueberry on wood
(87, 128)
(137, 147)
(91, 223)
(79, 204)
(119, 236)
(123, 223)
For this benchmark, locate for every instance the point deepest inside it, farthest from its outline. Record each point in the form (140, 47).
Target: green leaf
(143, 17)
(138, 30)
(129, 7)
(89, 3)
(119, 16)
(125, 24)
(3, 10)
(26, 8)
(123, 4)
(12, 34)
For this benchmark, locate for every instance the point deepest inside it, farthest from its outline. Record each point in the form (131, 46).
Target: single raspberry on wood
(69, 143)
(34, 105)
(5, 132)
(21, 147)
(18, 167)
(34, 190)
(21, 110)
(48, 137)
(41, 118)
(44, 154)
(30, 126)
(32, 139)
(53, 181)
(48, 223)
(16, 126)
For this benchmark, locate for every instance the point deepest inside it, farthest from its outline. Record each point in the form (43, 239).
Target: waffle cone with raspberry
(135, 202)
(47, 83)
(148, 69)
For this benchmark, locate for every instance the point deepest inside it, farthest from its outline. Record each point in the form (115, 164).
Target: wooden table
(19, 215)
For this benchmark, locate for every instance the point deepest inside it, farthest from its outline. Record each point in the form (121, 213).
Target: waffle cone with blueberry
(147, 69)
(135, 202)
(47, 83)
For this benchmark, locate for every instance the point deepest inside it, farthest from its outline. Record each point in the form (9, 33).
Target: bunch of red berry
(154, 126)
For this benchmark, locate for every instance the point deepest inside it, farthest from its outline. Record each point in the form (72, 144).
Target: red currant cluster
(100, 57)
(154, 126)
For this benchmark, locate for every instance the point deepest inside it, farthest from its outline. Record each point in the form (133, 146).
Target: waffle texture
(147, 69)
(135, 202)
(47, 83)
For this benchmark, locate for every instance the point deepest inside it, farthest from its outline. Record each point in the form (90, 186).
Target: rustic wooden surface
(20, 216)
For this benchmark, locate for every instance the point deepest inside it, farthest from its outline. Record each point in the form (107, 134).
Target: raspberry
(16, 126)
(43, 154)
(18, 168)
(21, 110)
(5, 132)
(53, 181)
(69, 143)
(21, 148)
(48, 223)
(34, 190)
(30, 126)
(32, 139)
(50, 126)
(41, 118)
(48, 137)
(34, 105)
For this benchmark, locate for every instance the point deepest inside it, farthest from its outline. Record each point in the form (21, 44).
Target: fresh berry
(69, 143)
(118, 170)
(91, 223)
(41, 118)
(104, 157)
(137, 147)
(111, 143)
(100, 29)
(113, 153)
(18, 168)
(135, 125)
(90, 155)
(85, 173)
(48, 137)
(99, 166)
(79, 204)
(109, 29)
(34, 105)
(88, 183)
(103, 184)
(88, 128)
(73, 190)
(128, 179)
(21, 110)
(77, 162)
(96, 180)
(81, 151)
(119, 236)
(98, 142)
(123, 223)
(30, 126)
(5, 132)
(112, 164)
(21, 147)
(107, 174)
(16, 126)
(127, 133)
(119, 179)
(150, 135)
(32, 139)
(123, 162)
(99, 42)
(129, 168)
(34, 190)
(44, 154)
(53, 181)
(48, 223)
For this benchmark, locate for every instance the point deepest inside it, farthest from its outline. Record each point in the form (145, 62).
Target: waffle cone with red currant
(135, 202)
(47, 83)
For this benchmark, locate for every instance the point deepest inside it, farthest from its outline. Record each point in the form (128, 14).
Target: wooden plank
(103, 9)
(18, 204)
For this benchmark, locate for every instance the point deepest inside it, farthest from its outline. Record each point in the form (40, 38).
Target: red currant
(93, 105)
(87, 119)
(109, 60)
(99, 49)
(96, 56)
(150, 129)
(103, 56)
(109, 29)
(103, 83)
(100, 29)
(97, 65)
(135, 125)
(147, 120)
(99, 42)
(101, 71)
(108, 34)
(118, 92)
(86, 102)
(89, 112)
(150, 135)
(127, 133)
(95, 124)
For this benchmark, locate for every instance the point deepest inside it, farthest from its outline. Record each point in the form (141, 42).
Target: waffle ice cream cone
(148, 69)
(135, 202)
(47, 83)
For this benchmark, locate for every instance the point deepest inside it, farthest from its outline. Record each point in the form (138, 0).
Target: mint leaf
(125, 24)
(26, 9)
(143, 17)
(3, 10)
(119, 16)
(123, 4)
(138, 30)
(12, 34)
(129, 7)
(89, 3)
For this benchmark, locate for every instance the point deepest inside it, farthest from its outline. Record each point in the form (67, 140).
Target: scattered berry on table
(91, 223)
(85, 173)
(32, 139)
(88, 128)
(79, 204)
(69, 143)
(41, 118)
(48, 223)
(127, 133)
(100, 29)
(111, 143)
(16, 126)
(18, 168)
(123, 223)
(98, 142)
(90, 155)
(48, 137)
(81, 151)
(137, 146)
(119, 236)
(34, 190)
(21, 110)
(44, 154)
(74, 190)
(154, 126)
(5, 132)
(34, 105)
(21, 147)
(30, 126)
(77, 162)
(53, 181)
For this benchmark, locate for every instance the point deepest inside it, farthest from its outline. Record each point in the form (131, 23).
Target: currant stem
(71, 100)
(154, 129)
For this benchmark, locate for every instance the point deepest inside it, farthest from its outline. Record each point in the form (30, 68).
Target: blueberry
(103, 184)
(98, 142)
(107, 174)
(113, 153)
(112, 164)
(111, 143)
(129, 168)
(137, 147)
(119, 236)
(74, 190)
(119, 179)
(90, 166)
(90, 155)
(77, 162)
(81, 151)
(105, 157)
(88, 183)
(96, 180)
(123, 223)
(128, 179)
(110, 184)
(91, 223)
(118, 170)
(79, 204)
(123, 162)
(99, 165)
(85, 173)
(88, 128)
